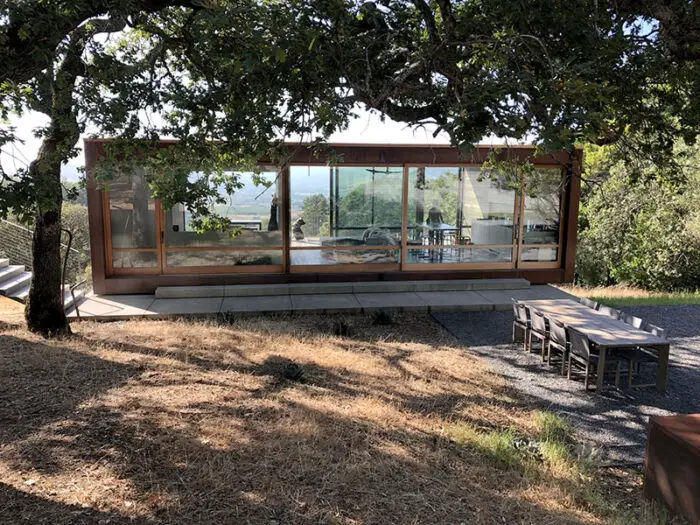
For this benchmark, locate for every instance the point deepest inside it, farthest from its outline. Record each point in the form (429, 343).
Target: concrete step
(21, 295)
(10, 287)
(4, 263)
(257, 290)
(7, 272)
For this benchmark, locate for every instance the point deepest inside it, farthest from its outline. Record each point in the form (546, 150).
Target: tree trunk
(44, 313)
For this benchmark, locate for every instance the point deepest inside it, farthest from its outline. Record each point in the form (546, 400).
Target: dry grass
(193, 422)
(630, 296)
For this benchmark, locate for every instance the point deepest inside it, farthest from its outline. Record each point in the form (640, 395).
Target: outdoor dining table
(605, 333)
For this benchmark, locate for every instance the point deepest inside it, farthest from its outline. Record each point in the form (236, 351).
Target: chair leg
(563, 362)
(549, 353)
(630, 366)
(617, 374)
(585, 381)
(544, 350)
(568, 375)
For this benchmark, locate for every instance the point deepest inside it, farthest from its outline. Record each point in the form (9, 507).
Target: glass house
(386, 212)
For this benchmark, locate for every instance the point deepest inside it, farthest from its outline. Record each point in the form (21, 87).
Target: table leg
(600, 376)
(662, 372)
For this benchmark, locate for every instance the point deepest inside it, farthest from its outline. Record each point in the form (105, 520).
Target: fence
(16, 245)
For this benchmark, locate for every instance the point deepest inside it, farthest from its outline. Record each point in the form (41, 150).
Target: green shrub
(640, 230)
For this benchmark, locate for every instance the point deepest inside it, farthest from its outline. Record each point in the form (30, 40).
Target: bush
(641, 231)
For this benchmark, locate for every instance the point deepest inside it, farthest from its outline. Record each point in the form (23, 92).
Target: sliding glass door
(541, 219)
(346, 218)
(458, 218)
(251, 244)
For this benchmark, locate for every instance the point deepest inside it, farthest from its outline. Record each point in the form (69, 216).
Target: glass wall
(459, 216)
(255, 237)
(345, 215)
(541, 215)
(132, 223)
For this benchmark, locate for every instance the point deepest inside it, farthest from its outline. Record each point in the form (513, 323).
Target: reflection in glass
(539, 254)
(132, 213)
(122, 260)
(224, 258)
(542, 206)
(345, 206)
(459, 207)
(434, 211)
(253, 210)
(488, 207)
(330, 256)
(459, 255)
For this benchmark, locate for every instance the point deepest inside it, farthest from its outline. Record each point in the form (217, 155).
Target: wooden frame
(107, 279)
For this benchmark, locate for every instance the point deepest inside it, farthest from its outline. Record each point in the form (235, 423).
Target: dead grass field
(630, 296)
(189, 422)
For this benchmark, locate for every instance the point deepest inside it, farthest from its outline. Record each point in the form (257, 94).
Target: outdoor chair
(583, 354)
(588, 302)
(636, 322)
(558, 343)
(521, 322)
(612, 312)
(538, 330)
(653, 329)
(635, 357)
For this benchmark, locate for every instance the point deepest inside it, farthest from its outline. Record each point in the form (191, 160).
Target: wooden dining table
(605, 332)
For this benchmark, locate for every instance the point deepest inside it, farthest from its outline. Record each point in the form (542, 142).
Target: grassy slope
(194, 422)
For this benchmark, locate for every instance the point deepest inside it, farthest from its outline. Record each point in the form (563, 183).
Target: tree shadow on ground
(17, 506)
(616, 419)
(226, 439)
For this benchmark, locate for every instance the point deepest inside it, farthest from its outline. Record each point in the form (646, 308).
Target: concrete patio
(428, 296)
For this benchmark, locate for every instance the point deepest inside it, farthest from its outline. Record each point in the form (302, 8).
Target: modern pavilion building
(386, 212)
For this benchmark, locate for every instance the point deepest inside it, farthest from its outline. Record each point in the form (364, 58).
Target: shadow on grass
(264, 448)
(615, 420)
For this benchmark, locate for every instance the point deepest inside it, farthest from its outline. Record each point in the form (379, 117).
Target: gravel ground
(615, 424)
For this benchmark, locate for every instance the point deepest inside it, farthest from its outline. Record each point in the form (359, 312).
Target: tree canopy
(232, 79)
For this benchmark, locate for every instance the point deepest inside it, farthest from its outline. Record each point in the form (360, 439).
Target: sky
(368, 129)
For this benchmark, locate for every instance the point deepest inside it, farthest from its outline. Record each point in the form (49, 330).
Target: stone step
(253, 290)
(4, 263)
(15, 284)
(8, 272)
(21, 295)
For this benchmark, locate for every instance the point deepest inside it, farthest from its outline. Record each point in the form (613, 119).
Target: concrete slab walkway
(116, 307)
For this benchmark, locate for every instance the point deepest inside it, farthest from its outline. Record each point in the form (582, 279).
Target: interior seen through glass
(350, 208)
(349, 215)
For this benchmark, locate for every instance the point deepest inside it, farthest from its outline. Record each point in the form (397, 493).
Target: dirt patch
(200, 422)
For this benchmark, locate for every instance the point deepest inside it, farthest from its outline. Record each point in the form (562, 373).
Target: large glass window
(352, 209)
(489, 207)
(542, 215)
(132, 222)
(132, 213)
(254, 213)
(451, 211)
